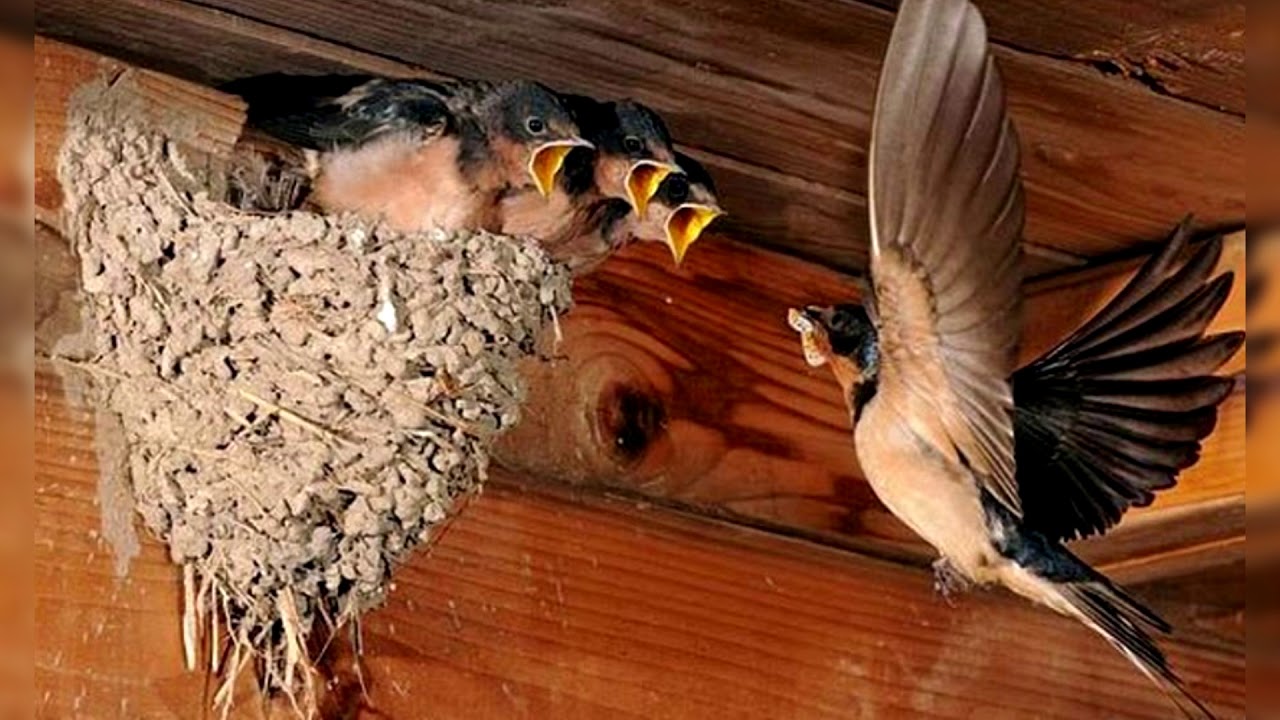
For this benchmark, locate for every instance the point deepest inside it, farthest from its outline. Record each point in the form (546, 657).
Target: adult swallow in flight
(416, 153)
(632, 154)
(997, 469)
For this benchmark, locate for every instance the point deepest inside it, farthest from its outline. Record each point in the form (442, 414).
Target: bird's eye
(632, 144)
(535, 125)
(677, 188)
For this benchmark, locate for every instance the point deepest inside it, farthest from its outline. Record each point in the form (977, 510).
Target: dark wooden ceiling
(1130, 113)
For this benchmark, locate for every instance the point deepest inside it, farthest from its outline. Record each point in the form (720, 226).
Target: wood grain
(777, 96)
(1189, 49)
(538, 603)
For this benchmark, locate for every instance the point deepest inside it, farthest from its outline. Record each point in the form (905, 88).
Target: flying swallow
(997, 468)
(631, 156)
(416, 153)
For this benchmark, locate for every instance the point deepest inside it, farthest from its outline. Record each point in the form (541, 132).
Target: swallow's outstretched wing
(946, 214)
(1116, 410)
(326, 112)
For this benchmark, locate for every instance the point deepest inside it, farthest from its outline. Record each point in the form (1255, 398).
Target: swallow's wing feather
(1118, 408)
(946, 214)
(325, 112)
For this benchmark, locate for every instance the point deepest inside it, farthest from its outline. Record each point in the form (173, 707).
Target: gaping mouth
(803, 324)
(548, 159)
(685, 224)
(643, 180)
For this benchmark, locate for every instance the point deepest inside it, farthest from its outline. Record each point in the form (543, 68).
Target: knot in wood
(629, 419)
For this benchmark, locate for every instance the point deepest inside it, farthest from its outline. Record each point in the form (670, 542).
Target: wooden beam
(539, 603)
(776, 97)
(687, 386)
(1188, 49)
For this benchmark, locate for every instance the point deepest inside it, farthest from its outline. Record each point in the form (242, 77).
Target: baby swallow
(632, 155)
(684, 205)
(997, 469)
(417, 153)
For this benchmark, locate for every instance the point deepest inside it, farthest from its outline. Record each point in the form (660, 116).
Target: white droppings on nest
(303, 398)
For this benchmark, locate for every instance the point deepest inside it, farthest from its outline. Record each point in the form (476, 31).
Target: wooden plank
(544, 604)
(688, 386)
(781, 92)
(1189, 49)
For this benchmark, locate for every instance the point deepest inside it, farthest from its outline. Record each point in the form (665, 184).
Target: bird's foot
(947, 580)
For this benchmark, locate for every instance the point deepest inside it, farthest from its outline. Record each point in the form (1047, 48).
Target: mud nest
(303, 398)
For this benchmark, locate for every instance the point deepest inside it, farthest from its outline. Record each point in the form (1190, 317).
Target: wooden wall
(671, 535)
(776, 96)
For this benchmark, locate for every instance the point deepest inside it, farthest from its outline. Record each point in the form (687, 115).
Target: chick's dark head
(641, 141)
(683, 206)
(633, 150)
(534, 131)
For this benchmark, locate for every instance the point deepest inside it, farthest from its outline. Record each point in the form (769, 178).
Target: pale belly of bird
(409, 185)
(931, 494)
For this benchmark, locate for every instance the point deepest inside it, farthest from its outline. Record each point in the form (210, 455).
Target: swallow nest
(303, 398)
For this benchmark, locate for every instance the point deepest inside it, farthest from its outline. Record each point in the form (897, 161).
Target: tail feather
(1043, 570)
(1124, 623)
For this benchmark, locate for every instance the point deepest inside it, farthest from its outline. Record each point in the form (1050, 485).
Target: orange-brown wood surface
(775, 97)
(539, 603)
(686, 392)
(1190, 49)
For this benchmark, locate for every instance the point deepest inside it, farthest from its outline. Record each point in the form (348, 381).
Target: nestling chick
(416, 153)
(682, 208)
(632, 154)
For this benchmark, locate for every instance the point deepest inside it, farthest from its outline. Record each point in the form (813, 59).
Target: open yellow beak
(548, 159)
(643, 180)
(685, 224)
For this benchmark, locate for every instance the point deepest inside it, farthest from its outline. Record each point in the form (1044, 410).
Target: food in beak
(799, 321)
(685, 225)
(643, 180)
(802, 323)
(548, 159)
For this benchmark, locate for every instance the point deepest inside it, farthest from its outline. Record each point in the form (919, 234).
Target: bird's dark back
(323, 112)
